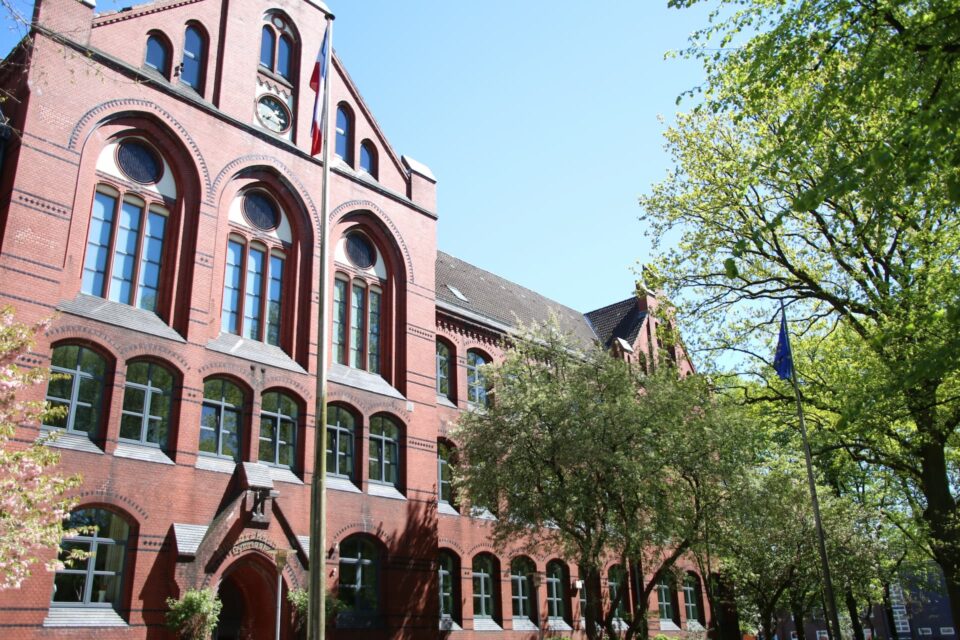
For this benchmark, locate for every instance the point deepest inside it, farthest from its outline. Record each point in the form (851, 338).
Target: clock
(273, 114)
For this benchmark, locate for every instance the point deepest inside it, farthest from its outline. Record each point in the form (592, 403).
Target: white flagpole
(316, 606)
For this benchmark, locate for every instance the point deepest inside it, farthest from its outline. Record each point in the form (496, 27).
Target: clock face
(273, 114)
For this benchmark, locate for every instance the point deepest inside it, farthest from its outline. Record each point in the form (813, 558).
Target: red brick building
(160, 202)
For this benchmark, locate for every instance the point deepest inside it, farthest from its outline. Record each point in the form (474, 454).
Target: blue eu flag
(783, 359)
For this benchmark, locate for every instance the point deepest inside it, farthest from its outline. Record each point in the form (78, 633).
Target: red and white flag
(318, 82)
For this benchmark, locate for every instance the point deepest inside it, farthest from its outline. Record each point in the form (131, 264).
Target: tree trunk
(799, 621)
(594, 604)
(768, 624)
(940, 514)
(854, 615)
(888, 612)
(723, 609)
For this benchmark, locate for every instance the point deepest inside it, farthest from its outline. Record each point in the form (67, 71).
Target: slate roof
(505, 303)
(618, 320)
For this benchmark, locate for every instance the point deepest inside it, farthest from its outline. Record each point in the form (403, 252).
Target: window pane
(285, 56)
(208, 429)
(230, 319)
(253, 294)
(373, 331)
(69, 587)
(157, 54)
(443, 369)
(357, 304)
(134, 399)
(266, 47)
(150, 261)
(339, 321)
(368, 159)
(273, 300)
(342, 147)
(192, 68)
(98, 244)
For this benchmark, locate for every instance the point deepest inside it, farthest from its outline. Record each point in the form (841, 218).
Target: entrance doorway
(248, 592)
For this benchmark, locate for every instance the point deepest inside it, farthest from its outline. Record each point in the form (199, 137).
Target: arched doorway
(248, 592)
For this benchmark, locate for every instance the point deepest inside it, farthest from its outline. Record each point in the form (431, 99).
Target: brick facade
(195, 520)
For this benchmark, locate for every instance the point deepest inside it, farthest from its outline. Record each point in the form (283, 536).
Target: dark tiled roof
(619, 320)
(506, 303)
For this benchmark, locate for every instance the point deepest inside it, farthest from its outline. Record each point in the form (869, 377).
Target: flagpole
(316, 602)
(832, 619)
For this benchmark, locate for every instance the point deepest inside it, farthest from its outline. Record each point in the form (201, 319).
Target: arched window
(358, 306)
(368, 158)
(221, 419)
(278, 50)
(340, 434)
(449, 580)
(267, 47)
(278, 429)
(484, 600)
(97, 580)
(344, 139)
(147, 401)
(444, 387)
(691, 598)
(158, 54)
(254, 275)
(359, 567)
(556, 591)
(523, 594)
(77, 387)
(194, 57)
(444, 474)
(124, 259)
(665, 600)
(617, 582)
(476, 386)
(384, 451)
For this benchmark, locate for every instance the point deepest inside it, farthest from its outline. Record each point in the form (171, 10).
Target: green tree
(33, 505)
(821, 170)
(194, 616)
(593, 457)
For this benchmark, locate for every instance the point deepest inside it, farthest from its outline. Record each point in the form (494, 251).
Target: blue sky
(539, 119)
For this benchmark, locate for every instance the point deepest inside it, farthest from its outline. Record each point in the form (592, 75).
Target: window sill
(447, 509)
(83, 617)
(668, 625)
(208, 462)
(449, 624)
(384, 491)
(360, 379)
(142, 452)
(558, 624)
(694, 625)
(482, 514)
(524, 624)
(444, 401)
(120, 315)
(284, 474)
(341, 484)
(486, 624)
(259, 352)
(53, 437)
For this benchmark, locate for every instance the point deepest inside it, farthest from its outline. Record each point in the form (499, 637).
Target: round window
(360, 251)
(260, 211)
(139, 162)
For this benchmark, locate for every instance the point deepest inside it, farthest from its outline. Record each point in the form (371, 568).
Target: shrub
(194, 616)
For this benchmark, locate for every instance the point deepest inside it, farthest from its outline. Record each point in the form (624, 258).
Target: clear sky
(539, 119)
